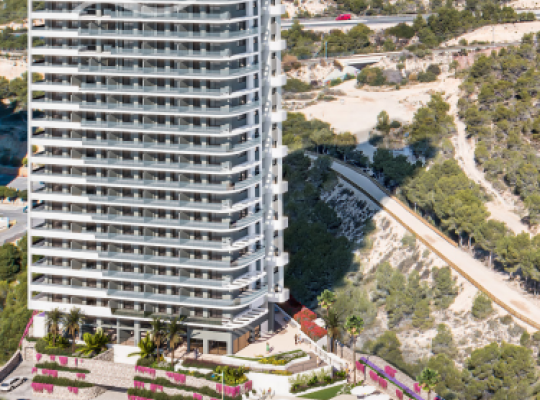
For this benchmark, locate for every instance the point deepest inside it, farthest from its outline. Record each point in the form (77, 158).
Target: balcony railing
(155, 184)
(222, 149)
(151, 108)
(42, 249)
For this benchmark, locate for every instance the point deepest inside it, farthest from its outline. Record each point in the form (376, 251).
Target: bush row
(61, 381)
(58, 367)
(207, 391)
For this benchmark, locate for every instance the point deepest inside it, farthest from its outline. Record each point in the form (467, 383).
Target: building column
(271, 317)
(206, 346)
(137, 332)
(117, 332)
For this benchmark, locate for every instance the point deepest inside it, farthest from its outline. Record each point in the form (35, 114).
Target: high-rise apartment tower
(157, 176)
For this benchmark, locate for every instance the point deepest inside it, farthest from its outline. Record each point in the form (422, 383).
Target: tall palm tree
(326, 299)
(158, 333)
(146, 346)
(333, 323)
(174, 335)
(354, 326)
(428, 379)
(72, 322)
(54, 317)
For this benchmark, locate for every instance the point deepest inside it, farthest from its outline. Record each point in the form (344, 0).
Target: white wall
(278, 383)
(121, 354)
(39, 328)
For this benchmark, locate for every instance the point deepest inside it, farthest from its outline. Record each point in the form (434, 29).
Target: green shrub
(43, 347)
(61, 381)
(207, 391)
(296, 86)
(58, 367)
(482, 307)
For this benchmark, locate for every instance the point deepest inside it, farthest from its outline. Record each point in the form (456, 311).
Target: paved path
(512, 300)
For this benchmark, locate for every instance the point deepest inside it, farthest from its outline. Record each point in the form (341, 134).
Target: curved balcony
(225, 73)
(122, 108)
(147, 221)
(158, 91)
(128, 15)
(226, 206)
(242, 300)
(225, 149)
(224, 168)
(179, 262)
(174, 186)
(174, 280)
(119, 34)
(156, 241)
(224, 130)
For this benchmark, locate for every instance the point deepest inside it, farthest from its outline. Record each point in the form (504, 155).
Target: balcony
(147, 221)
(224, 245)
(278, 80)
(181, 186)
(187, 73)
(280, 260)
(243, 300)
(224, 206)
(279, 116)
(278, 45)
(280, 188)
(280, 151)
(224, 168)
(136, 15)
(121, 108)
(224, 149)
(223, 130)
(193, 263)
(280, 223)
(279, 296)
(120, 34)
(183, 281)
(278, 10)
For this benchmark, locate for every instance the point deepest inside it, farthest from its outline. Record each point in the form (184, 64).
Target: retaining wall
(8, 367)
(63, 393)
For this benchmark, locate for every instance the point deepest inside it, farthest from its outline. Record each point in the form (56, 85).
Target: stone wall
(8, 367)
(62, 393)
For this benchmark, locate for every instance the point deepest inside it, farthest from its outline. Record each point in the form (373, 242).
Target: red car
(343, 17)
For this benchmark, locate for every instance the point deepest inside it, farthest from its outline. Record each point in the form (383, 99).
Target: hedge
(43, 347)
(148, 394)
(207, 391)
(58, 367)
(61, 381)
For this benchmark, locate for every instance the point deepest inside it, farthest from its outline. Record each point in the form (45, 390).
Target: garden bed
(303, 382)
(61, 381)
(205, 390)
(148, 394)
(58, 367)
(277, 359)
(42, 347)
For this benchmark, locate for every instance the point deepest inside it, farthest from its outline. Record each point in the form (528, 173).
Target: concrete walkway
(486, 280)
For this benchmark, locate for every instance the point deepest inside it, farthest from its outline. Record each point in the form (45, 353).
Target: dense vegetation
(495, 371)
(14, 315)
(317, 258)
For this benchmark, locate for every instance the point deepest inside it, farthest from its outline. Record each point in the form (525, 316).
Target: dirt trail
(500, 209)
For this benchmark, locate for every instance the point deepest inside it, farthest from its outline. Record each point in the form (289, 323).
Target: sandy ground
(11, 69)
(525, 4)
(499, 33)
(312, 6)
(357, 111)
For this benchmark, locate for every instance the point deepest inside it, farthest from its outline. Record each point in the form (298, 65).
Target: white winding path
(512, 300)
(499, 208)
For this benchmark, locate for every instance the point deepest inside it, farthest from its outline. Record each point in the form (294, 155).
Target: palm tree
(146, 346)
(158, 331)
(72, 322)
(326, 299)
(93, 344)
(354, 326)
(54, 317)
(428, 379)
(174, 335)
(333, 323)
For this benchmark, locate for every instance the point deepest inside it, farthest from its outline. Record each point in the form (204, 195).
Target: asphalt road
(369, 21)
(14, 213)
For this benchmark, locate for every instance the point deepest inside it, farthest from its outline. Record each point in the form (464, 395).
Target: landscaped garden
(323, 394)
(277, 359)
(303, 382)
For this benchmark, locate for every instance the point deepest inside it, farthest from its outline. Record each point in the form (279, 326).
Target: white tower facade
(158, 175)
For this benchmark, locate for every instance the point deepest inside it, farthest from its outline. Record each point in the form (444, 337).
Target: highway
(371, 21)
(513, 300)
